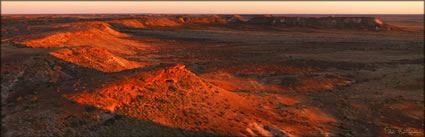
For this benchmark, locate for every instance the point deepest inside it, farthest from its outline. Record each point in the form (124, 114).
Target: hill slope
(175, 97)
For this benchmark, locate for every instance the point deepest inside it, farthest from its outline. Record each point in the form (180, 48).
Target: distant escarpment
(356, 23)
(362, 23)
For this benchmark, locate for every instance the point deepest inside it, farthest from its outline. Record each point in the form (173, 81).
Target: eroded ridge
(176, 97)
(96, 58)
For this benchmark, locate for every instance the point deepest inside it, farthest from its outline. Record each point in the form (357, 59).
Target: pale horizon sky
(213, 7)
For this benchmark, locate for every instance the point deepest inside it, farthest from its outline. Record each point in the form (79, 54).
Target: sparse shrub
(34, 99)
(27, 107)
(20, 78)
(73, 102)
(3, 130)
(111, 121)
(90, 108)
(139, 97)
(118, 117)
(171, 88)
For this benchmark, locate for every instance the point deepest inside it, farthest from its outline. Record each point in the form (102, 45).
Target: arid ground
(203, 75)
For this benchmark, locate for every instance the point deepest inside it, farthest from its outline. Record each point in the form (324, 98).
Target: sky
(213, 7)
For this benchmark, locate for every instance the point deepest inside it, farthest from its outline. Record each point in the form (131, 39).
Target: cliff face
(365, 23)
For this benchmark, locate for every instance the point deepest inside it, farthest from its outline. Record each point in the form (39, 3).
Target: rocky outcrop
(172, 95)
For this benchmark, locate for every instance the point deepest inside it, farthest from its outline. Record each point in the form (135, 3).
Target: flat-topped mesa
(364, 23)
(214, 19)
(168, 22)
(236, 19)
(360, 23)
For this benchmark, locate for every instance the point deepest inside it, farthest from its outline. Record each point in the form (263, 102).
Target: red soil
(315, 84)
(98, 34)
(96, 58)
(232, 83)
(176, 97)
(162, 22)
(133, 23)
(278, 85)
(261, 68)
(149, 22)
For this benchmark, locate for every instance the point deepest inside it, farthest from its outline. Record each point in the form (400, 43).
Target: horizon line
(219, 13)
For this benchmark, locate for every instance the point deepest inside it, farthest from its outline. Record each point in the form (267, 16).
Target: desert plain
(212, 75)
